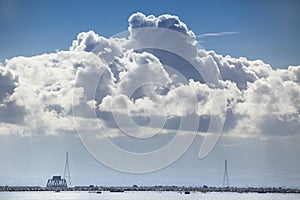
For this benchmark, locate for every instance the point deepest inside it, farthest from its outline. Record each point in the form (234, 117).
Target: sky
(267, 30)
(188, 85)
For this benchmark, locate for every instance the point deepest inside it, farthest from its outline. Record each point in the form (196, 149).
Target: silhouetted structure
(56, 182)
(67, 175)
(158, 188)
(226, 178)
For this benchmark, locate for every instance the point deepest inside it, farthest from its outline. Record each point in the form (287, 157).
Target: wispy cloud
(216, 34)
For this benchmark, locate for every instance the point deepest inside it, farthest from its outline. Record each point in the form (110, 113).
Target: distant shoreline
(203, 189)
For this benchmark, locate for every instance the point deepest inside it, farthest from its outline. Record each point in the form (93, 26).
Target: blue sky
(267, 30)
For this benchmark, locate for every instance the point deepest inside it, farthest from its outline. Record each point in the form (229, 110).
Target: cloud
(240, 70)
(159, 71)
(271, 106)
(140, 69)
(139, 20)
(7, 83)
(106, 48)
(10, 112)
(45, 90)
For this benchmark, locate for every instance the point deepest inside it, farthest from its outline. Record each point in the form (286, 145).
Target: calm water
(142, 196)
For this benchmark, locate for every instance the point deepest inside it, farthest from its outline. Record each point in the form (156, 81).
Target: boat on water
(97, 192)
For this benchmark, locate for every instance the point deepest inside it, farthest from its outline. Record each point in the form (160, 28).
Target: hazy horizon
(141, 95)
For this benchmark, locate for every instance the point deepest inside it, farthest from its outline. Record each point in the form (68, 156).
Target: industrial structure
(57, 181)
(67, 175)
(225, 177)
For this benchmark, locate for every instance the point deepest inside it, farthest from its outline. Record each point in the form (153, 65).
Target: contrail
(216, 34)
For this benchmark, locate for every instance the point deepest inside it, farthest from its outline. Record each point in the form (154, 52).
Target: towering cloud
(143, 76)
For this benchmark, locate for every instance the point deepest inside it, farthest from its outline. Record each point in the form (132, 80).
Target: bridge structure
(57, 182)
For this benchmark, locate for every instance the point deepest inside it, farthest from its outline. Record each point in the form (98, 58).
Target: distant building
(57, 182)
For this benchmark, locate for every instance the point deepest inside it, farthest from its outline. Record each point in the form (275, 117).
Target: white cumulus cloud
(142, 76)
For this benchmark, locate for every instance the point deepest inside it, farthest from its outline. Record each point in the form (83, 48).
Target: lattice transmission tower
(226, 178)
(67, 175)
